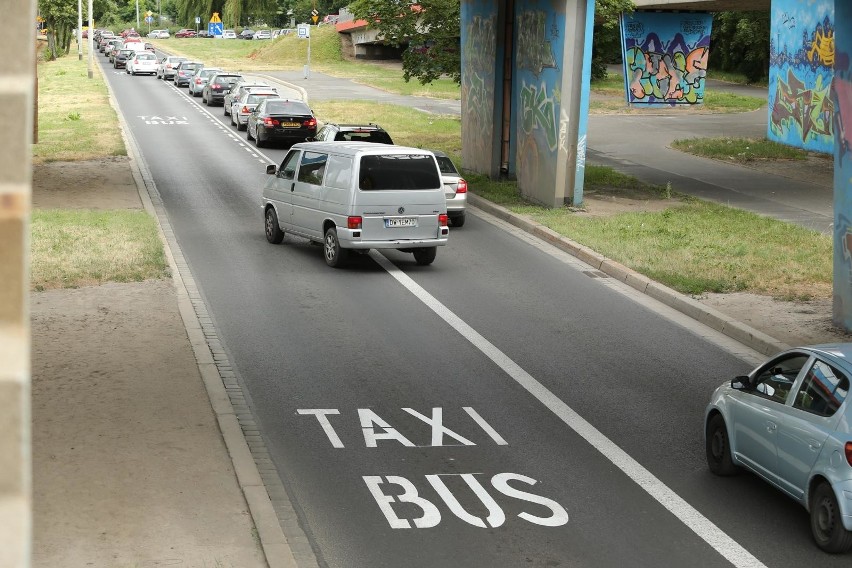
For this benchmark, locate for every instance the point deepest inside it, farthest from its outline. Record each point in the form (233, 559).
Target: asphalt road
(502, 407)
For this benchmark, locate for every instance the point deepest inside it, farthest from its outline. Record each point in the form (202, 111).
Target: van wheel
(826, 522)
(274, 234)
(458, 220)
(425, 256)
(335, 256)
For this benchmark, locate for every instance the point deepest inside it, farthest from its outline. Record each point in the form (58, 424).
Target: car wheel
(718, 448)
(133, 73)
(826, 522)
(274, 234)
(225, 109)
(425, 256)
(248, 133)
(257, 140)
(241, 125)
(233, 122)
(335, 256)
(458, 220)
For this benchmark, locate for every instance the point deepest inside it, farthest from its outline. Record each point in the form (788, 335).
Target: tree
(740, 43)
(606, 38)
(430, 29)
(60, 18)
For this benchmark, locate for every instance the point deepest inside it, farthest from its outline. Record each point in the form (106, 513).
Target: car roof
(362, 148)
(369, 126)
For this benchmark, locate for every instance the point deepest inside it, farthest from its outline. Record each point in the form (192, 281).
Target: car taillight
(198, 81)
(443, 220)
(462, 188)
(849, 452)
(354, 222)
(270, 121)
(246, 110)
(216, 87)
(310, 123)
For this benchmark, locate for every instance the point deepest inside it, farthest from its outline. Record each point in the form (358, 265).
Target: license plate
(401, 222)
(290, 124)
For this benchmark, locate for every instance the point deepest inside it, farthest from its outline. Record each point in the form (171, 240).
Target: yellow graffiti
(822, 47)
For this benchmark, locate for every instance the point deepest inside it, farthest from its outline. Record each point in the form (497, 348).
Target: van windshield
(398, 172)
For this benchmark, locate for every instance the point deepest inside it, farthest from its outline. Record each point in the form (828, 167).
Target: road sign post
(304, 31)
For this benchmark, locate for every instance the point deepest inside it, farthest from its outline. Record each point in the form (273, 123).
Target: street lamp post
(91, 41)
(80, 30)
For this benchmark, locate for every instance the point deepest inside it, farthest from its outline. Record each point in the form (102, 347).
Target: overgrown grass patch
(75, 119)
(741, 150)
(73, 248)
(694, 247)
(406, 127)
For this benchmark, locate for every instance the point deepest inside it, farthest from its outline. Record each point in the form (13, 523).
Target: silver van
(357, 196)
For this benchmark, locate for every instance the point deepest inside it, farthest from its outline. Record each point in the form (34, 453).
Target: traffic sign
(197, 19)
(304, 31)
(315, 18)
(314, 13)
(149, 19)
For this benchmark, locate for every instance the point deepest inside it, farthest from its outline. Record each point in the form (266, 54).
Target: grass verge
(693, 247)
(75, 119)
(291, 53)
(740, 150)
(73, 248)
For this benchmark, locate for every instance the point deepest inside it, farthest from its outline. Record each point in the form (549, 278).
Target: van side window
(312, 168)
(339, 172)
(398, 172)
(288, 166)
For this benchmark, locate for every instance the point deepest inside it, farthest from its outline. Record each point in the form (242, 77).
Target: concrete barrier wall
(842, 101)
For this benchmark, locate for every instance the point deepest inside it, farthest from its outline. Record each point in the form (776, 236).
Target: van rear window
(398, 172)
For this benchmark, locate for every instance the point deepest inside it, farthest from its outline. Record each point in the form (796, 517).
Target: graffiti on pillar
(801, 68)
(665, 57)
(538, 112)
(477, 86)
(841, 94)
(534, 50)
(536, 98)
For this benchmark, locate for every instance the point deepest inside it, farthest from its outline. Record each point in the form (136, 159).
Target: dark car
(185, 33)
(184, 72)
(281, 120)
(121, 57)
(203, 33)
(246, 34)
(219, 84)
(353, 132)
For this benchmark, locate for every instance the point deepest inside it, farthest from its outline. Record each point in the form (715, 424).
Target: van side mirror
(271, 169)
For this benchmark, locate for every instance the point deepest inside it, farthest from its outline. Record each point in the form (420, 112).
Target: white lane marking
(198, 107)
(686, 513)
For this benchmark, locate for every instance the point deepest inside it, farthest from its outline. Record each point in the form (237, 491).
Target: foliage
(606, 41)
(740, 43)
(60, 18)
(429, 31)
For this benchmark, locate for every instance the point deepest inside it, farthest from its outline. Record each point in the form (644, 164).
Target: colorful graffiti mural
(665, 57)
(841, 95)
(478, 80)
(801, 61)
(536, 95)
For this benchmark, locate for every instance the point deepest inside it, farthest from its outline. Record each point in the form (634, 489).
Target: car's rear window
(398, 172)
(287, 107)
(226, 79)
(376, 136)
(255, 98)
(446, 165)
(146, 56)
(189, 67)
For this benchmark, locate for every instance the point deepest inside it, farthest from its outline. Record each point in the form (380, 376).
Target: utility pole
(137, 16)
(80, 30)
(91, 41)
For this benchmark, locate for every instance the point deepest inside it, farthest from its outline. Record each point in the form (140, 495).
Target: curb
(710, 317)
(294, 86)
(211, 361)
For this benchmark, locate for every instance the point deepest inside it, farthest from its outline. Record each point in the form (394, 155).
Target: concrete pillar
(842, 98)
(17, 77)
(552, 42)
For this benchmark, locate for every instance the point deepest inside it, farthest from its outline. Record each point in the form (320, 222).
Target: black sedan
(121, 57)
(281, 120)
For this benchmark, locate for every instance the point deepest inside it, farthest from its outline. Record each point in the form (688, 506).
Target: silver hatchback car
(790, 422)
